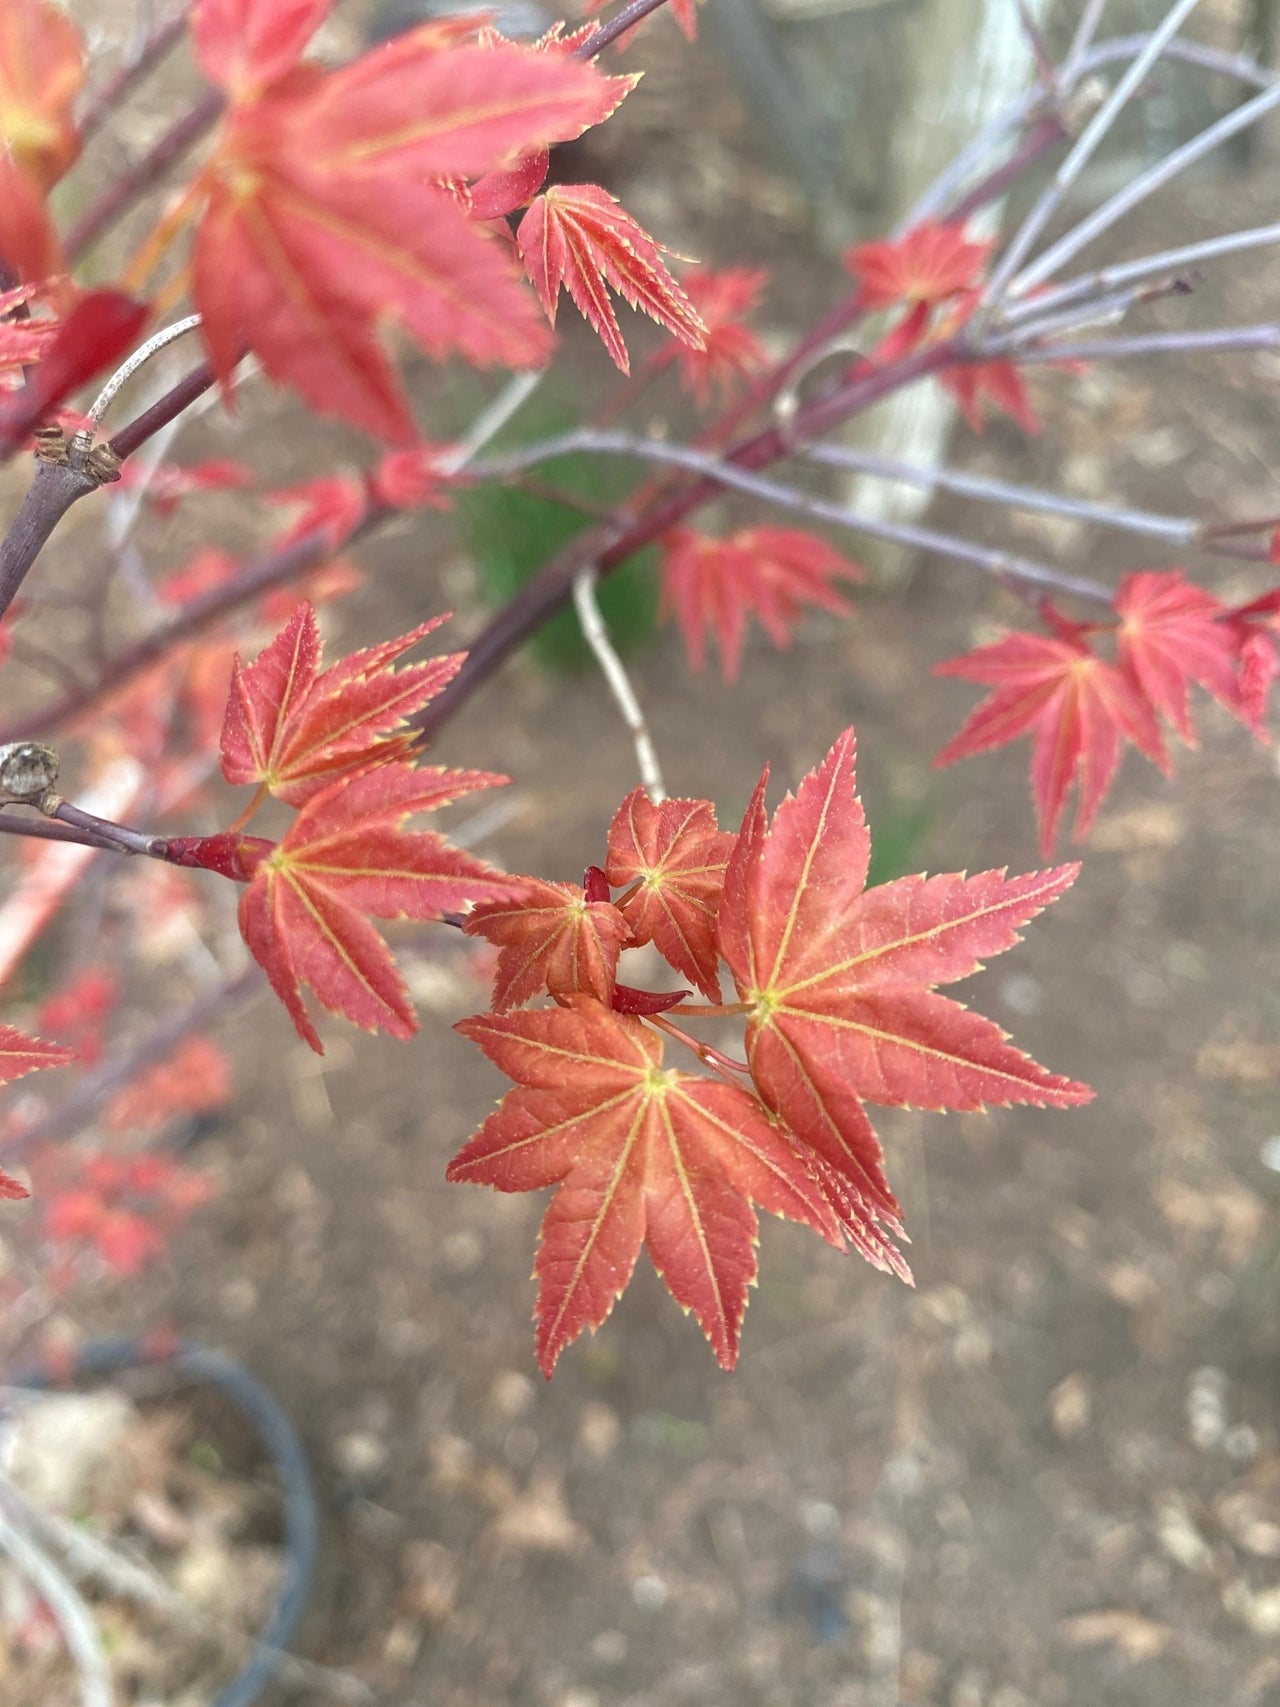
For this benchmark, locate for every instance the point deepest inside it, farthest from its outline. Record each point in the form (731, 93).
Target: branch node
(28, 771)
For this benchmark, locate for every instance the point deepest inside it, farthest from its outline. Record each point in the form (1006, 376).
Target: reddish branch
(106, 99)
(143, 176)
(626, 19)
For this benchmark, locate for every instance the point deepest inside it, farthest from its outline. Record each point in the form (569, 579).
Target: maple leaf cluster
(837, 986)
(1081, 710)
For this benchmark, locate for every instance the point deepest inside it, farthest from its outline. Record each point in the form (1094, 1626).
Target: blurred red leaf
(1078, 709)
(713, 585)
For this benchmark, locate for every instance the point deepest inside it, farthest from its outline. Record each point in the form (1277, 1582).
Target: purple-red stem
(105, 100)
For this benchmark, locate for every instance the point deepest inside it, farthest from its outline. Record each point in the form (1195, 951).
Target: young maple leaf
(333, 505)
(641, 1156)
(672, 858)
(712, 585)
(20, 1055)
(730, 352)
(1078, 709)
(1172, 634)
(577, 236)
(325, 213)
(346, 858)
(840, 980)
(928, 264)
(295, 728)
(552, 936)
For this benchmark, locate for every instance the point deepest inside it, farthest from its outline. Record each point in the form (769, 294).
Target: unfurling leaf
(642, 1156)
(672, 858)
(577, 236)
(552, 937)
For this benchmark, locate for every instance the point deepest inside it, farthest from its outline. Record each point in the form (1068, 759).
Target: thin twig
(1146, 184)
(158, 341)
(73, 1617)
(138, 61)
(144, 175)
(1216, 341)
(1081, 42)
(626, 20)
(1105, 279)
(42, 830)
(117, 836)
(1176, 530)
(1083, 150)
(596, 635)
(998, 563)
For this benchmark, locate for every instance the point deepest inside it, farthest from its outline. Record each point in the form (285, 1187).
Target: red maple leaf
(325, 213)
(412, 479)
(125, 1208)
(731, 351)
(840, 981)
(332, 505)
(713, 585)
(194, 1079)
(642, 1157)
(294, 728)
(928, 264)
(998, 383)
(42, 70)
(345, 859)
(1078, 709)
(20, 1055)
(552, 936)
(79, 1012)
(577, 236)
(1172, 634)
(671, 859)
(165, 487)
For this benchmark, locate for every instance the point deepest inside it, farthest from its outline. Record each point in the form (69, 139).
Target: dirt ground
(1049, 1475)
